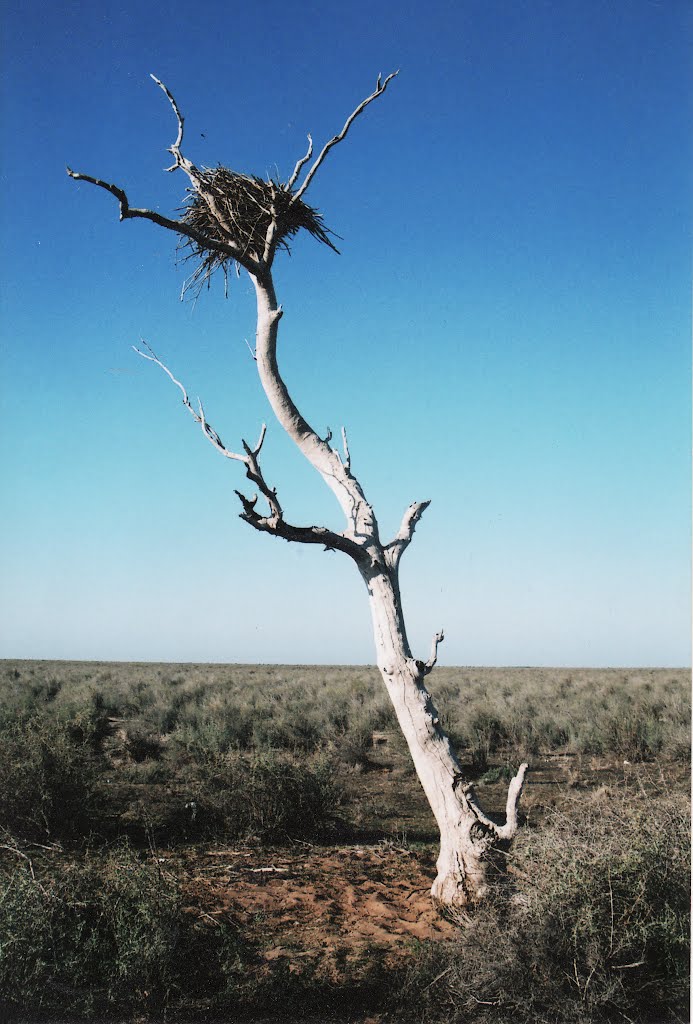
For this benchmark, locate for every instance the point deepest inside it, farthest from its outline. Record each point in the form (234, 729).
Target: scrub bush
(596, 929)
(48, 776)
(107, 934)
(268, 796)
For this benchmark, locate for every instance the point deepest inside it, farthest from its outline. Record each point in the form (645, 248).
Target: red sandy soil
(324, 905)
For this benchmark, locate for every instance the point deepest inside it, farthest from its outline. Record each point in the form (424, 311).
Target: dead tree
(233, 221)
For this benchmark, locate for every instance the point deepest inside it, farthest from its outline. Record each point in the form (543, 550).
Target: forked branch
(508, 830)
(410, 520)
(274, 523)
(380, 88)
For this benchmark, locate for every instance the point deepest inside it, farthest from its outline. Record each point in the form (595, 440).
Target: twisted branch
(128, 212)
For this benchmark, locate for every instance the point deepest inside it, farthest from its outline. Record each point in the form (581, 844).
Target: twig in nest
(240, 209)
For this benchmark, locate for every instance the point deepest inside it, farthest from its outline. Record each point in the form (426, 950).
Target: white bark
(467, 834)
(327, 461)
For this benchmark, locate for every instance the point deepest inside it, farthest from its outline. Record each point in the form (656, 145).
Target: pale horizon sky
(506, 331)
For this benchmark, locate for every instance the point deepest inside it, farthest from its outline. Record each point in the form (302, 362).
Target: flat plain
(223, 841)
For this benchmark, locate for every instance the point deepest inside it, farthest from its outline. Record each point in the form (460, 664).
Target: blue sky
(506, 331)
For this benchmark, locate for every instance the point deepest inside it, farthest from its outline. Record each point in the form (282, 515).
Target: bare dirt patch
(326, 907)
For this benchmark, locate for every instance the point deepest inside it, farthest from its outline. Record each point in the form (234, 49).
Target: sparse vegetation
(48, 775)
(595, 928)
(109, 933)
(115, 780)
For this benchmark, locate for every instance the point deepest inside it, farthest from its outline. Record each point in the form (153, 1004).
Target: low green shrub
(268, 796)
(355, 747)
(501, 773)
(595, 930)
(48, 776)
(635, 714)
(488, 733)
(108, 934)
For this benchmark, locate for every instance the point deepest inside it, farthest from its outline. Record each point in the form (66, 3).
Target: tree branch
(358, 512)
(304, 160)
(429, 665)
(187, 166)
(345, 445)
(271, 234)
(410, 520)
(508, 830)
(128, 212)
(380, 88)
(199, 417)
(254, 473)
(174, 150)
(514, 793)
(278, 527)
(274, 523)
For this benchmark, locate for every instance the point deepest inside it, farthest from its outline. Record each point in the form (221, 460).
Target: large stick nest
(239, 208)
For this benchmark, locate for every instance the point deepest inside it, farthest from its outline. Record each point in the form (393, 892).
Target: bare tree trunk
(466, 835)
(218, 231)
